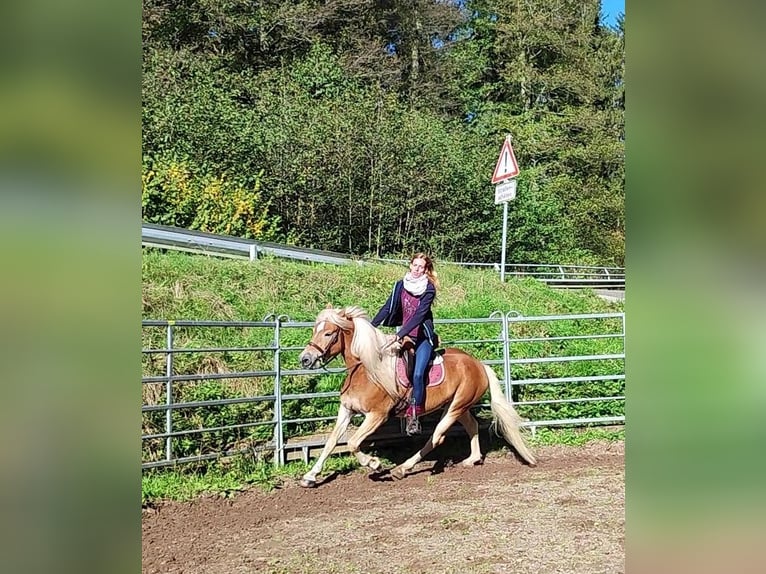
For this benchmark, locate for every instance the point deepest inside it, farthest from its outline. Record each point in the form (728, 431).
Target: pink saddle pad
(435, 372)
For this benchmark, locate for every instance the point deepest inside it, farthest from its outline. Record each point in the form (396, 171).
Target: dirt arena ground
(566, 515)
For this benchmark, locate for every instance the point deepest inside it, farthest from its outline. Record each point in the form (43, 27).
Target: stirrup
(411, 418)
(413, 426)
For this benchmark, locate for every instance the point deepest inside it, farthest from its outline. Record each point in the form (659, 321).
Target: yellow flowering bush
(175, 192)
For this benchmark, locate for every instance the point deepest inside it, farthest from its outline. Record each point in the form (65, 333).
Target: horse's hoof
(374, 464)
(470, 462)
(398, 473)
(308, 483)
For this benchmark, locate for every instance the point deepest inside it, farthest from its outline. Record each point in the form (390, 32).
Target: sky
(610, 9)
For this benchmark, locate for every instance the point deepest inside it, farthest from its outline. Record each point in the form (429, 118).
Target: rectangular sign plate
(505, 191)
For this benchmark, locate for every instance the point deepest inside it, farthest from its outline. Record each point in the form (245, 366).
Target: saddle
(405, 364)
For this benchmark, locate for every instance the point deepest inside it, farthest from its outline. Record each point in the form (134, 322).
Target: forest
(372, 127)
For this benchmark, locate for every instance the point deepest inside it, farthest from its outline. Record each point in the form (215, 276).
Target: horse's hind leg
(372, 421)
(472, 428)
(449, 418)
(344, 417)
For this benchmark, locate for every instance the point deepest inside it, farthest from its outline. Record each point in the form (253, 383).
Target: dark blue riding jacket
(390, 314)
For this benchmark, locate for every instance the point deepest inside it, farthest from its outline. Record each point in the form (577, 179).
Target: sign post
(505, 191)
(505, 234)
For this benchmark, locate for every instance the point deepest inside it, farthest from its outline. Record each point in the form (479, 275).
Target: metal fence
(165, 237)
(215, 388)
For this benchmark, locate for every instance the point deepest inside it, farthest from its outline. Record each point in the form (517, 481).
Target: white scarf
(416, 286)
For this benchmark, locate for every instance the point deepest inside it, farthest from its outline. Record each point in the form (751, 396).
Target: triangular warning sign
(506, 164)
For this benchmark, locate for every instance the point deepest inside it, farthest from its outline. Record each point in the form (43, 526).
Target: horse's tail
(507, 420)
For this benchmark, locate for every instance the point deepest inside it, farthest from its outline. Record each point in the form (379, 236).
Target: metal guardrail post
(253, 252)
(169, 394)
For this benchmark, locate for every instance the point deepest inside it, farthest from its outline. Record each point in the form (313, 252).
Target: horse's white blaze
(319, 327)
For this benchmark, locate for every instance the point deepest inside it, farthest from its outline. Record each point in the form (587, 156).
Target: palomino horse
(371, 388)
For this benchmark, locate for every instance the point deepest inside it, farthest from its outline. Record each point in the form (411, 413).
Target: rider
(409, 305)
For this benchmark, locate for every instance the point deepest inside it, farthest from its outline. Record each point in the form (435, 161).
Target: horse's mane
(336, 317)
(366, 345)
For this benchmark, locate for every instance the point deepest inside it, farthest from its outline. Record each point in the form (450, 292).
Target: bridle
(324, 352)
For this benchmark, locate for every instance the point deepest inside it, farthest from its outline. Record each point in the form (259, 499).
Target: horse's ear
(328, 306)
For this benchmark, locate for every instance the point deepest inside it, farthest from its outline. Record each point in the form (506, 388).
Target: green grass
(574, 436)
(179, 286)
(228, 477)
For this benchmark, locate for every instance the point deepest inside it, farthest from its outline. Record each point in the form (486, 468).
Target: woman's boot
(412, 426)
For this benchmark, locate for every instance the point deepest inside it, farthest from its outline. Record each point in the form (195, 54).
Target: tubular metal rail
(571, 275)
(165, 237)
(555, 275)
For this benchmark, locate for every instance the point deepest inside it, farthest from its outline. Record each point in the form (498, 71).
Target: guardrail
(213, 389)
(165, 237)
(555, 275)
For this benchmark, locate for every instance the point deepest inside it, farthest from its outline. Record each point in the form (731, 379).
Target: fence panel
(568, 369)
(213, 389)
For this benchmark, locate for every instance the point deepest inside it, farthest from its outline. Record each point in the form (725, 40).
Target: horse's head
(328, 340)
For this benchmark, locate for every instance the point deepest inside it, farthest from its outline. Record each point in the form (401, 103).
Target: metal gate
(212, 389)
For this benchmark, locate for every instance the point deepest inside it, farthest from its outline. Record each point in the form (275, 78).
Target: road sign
(506, 164)
(505, 191)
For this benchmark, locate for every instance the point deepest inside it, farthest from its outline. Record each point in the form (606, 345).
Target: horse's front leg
(309, 479)
(447, 420)
(372, 421)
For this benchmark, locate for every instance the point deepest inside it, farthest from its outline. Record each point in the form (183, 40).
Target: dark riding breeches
(423, 352)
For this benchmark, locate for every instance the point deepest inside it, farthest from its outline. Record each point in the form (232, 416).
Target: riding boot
(411, 416)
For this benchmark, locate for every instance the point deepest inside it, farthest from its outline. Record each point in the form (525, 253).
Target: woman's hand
(392, 345)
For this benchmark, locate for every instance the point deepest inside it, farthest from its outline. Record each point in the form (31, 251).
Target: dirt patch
(565, 515)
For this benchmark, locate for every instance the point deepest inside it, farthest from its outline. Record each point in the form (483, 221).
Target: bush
(174, 191)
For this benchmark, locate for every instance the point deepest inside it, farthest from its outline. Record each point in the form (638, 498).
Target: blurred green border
(694, 304)
(70, 156)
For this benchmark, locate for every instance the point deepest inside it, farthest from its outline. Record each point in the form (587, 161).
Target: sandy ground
(566, 515)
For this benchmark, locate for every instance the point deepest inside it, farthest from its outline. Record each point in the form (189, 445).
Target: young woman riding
(409, 306)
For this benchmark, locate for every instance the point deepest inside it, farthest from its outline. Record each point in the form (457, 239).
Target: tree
(372, 126)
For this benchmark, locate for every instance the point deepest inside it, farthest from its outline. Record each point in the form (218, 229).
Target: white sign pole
(505, 232)
(505, 189)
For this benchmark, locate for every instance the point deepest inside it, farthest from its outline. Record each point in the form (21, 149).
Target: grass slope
(194, 287)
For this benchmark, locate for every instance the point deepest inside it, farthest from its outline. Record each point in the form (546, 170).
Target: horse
(370, 388)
